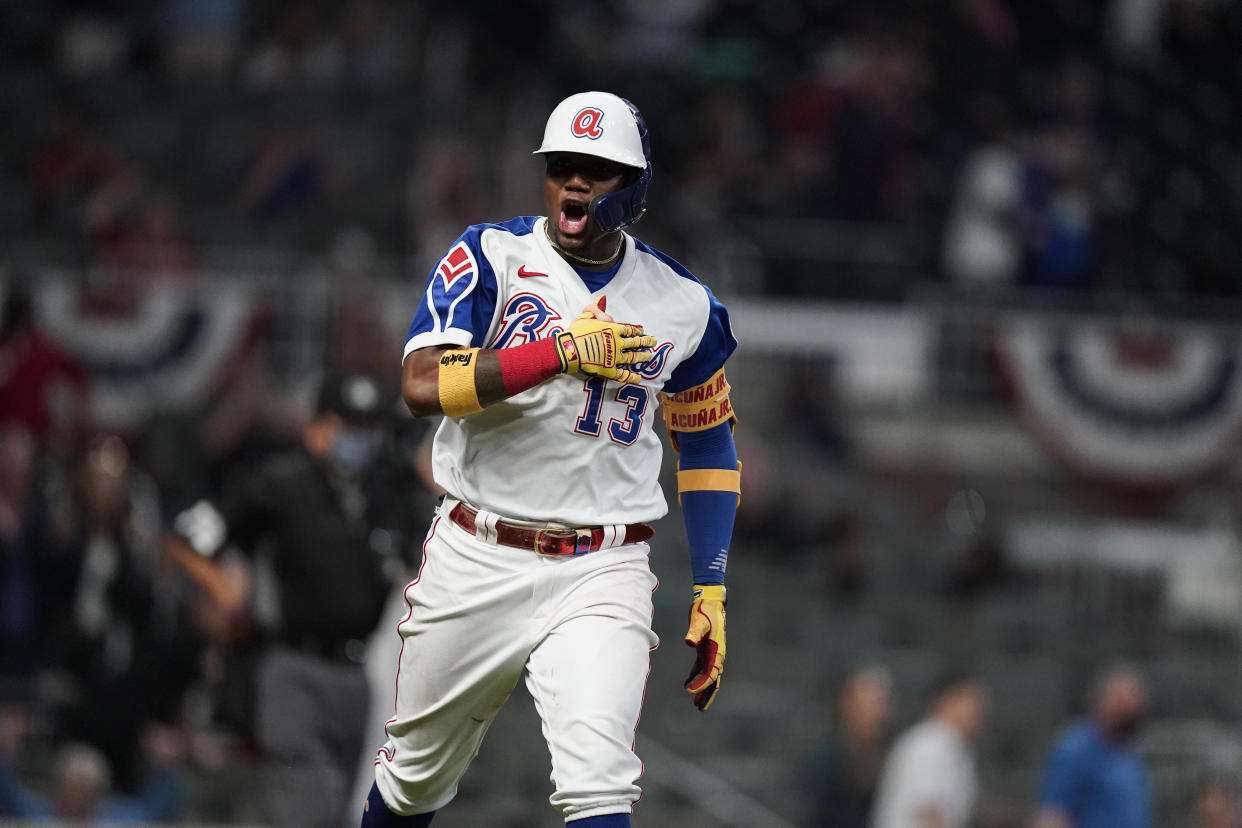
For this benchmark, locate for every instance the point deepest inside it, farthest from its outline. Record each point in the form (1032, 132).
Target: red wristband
(525, 366)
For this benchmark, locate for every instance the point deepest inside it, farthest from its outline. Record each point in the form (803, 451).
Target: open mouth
(573, 219)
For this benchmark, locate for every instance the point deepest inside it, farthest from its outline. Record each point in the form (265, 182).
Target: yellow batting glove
(595, 344)
(707, 635)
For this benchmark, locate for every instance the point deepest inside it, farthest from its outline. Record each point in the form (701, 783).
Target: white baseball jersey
(570, 451)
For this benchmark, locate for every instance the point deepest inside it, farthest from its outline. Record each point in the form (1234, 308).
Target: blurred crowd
(119, 669)
(1072, 147)
(868, 773)
(1077, 147)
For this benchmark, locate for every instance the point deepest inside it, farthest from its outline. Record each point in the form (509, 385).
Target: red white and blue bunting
(169, 350)
(1141, 407)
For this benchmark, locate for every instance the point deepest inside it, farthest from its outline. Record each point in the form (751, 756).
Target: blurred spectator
(1093, 778)
(310, 506)
(141, 243)
(846, 558)
(102, 554)
(95, 38)
(1215, 806)
(982, 242)
(845, 139)
(722, 169)
(358, 338)
(929, 778)
(659, 34)
(1059, 220)
(445, 194)
(978, 68)
(376, 44)
(42, 386)
(81, 782)
(249, 417)
(843, 776)
(816, 409)
(1063, 169)
(298, 51)
(71, 161)
(285, 171)
(873, 140)
(22, 534)
(200, 37)
(983, 567)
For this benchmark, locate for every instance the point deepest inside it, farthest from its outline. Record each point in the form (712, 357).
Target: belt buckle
(580, 537)
(551, 534)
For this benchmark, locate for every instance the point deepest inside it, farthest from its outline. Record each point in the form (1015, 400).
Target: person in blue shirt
(79, 788)
(1093, 778)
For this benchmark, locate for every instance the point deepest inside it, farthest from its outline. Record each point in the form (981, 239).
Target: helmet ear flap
(622, 208)
(628, 204)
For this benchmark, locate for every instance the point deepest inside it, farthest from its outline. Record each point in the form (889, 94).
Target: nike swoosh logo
(524, 273)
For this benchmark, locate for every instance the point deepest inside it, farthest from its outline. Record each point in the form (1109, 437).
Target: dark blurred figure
(1093, 777)
(444, 192)
(42, 386)
(983, 567)
(1062, 181)
(846, 559)
(22, 534)
(929, 778)
(873, 145)
(70, 162)
(117, 646)
(297, 51)
(376, 43)
(285, 172)
(309, 508)
(1215, 806)
(975, 49)
(199, 38)
(143, 242)
(96, 38)
(844, 775)
(982, 246)
(816, 410)
(81, 781)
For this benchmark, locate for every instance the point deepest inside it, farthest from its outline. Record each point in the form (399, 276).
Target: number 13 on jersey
(628, 426)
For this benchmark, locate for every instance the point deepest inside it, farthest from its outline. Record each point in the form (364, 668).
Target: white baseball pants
(578, 628)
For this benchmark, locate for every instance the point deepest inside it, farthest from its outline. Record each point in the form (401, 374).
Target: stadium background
(982, 258)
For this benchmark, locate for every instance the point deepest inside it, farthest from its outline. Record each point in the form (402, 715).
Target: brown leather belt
(548, 541)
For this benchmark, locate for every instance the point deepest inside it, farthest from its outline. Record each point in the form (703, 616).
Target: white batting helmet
(605, 126)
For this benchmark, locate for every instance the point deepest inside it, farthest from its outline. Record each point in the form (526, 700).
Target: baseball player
(535, 566)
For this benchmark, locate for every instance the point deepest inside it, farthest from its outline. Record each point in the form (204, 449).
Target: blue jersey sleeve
(708, 515)
(717, 344)
(460, 296)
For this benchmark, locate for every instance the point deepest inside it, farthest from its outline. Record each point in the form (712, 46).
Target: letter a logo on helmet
(576, 125)
(586, 123)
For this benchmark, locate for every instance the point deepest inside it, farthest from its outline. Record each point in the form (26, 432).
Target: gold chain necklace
(621, 241)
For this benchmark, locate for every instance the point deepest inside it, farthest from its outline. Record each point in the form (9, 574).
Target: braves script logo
(586, 123)
(654, 366)
(526, 318)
